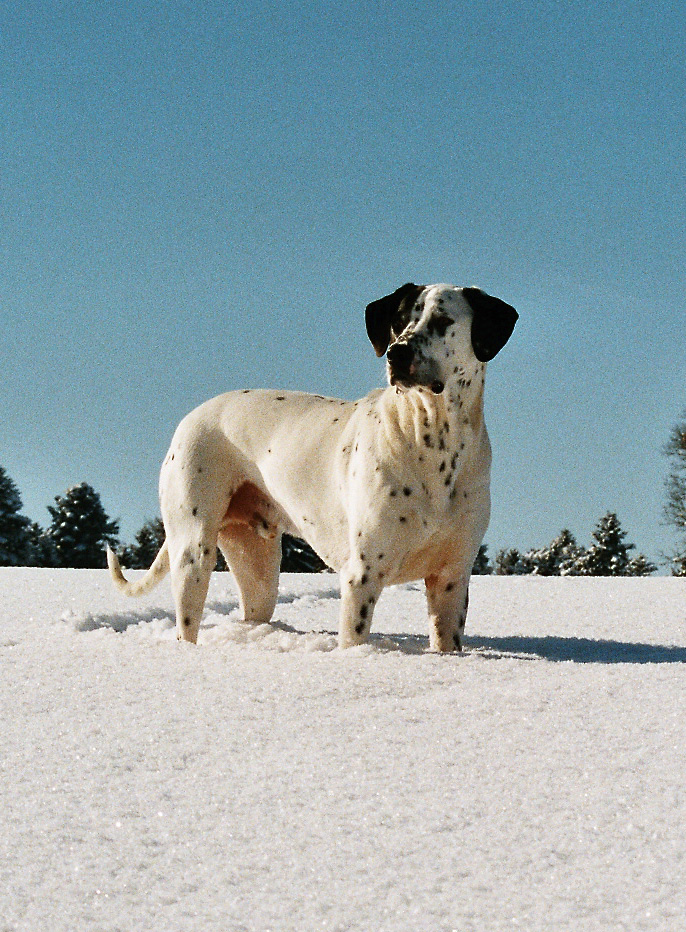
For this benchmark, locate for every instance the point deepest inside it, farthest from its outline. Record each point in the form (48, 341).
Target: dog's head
(436, 333)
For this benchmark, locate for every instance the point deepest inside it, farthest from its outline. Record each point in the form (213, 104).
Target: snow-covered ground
(266, 781)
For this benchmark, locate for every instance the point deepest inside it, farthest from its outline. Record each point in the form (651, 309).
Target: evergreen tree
(511, 563)
(482, 565)
(675, 509)
(609, 555)
(640, 566)
(15, 548)
(679, 565)
(298, 557)
(81, 529)
(41, 547)
(140, 555)
(559, 559)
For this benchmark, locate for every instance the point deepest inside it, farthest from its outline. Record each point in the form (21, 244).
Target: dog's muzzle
(403, 368)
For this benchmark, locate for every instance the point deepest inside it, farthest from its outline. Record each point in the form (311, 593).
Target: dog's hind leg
(254, 562)
(193, 554)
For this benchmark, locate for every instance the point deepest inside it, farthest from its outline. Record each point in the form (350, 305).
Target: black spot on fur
(402, 519)
(195, 511)
(449, 587)
(363, 611)
(187, 622)
(363, 581)
(359, 627)
(407, 490)
(280, 398)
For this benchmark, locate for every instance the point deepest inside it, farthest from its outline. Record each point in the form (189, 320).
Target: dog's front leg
(447, 597)
(360, 590)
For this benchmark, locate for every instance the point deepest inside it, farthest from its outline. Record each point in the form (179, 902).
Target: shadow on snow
(575, 650)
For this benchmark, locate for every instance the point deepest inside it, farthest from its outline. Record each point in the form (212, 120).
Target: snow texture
(265, 780)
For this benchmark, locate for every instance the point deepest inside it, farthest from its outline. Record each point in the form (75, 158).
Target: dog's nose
(400, 355)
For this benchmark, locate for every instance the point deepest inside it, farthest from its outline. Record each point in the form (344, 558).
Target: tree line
(80, 531)
(608, 555)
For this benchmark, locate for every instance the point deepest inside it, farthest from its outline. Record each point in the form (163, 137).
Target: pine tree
(609, 555)
(15, 548)
(640, 566)
(81, 529)
(679, 565)
(560, 558)
(511, 563)
(482, 565)
(149, 539)
(298, 557)
(41, 548)
(675, 509)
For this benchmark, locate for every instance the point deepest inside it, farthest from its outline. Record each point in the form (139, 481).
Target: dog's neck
(436, 422)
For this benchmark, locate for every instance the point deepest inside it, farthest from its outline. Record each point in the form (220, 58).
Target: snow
(265, 780)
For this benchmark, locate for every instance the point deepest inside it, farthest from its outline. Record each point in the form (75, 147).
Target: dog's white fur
(388, 489)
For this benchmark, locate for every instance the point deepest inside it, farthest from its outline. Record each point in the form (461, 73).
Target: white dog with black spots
(388, 489)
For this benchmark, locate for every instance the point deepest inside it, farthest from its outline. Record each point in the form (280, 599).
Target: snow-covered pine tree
(675, 509)
(640, 566)
(511, 563)
(80, 528)
(149, 539)
(482, 565)
(15, 547)
(609, 555)
(42, 549)
(558, 559)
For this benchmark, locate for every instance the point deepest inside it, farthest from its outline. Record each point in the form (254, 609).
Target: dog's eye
(439, 324)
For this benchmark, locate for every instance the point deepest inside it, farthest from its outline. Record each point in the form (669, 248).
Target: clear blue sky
(197, 197)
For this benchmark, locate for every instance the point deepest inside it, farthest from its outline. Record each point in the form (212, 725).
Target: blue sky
(200, 197)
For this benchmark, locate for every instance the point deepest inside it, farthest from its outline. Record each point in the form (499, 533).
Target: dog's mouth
(407, 369)
(405, 382)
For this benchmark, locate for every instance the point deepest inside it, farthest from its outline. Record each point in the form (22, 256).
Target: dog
(388, 489)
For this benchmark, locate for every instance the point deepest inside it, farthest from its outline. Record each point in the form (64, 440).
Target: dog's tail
(155, 574)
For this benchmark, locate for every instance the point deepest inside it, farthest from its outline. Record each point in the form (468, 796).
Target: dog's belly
(293, 439)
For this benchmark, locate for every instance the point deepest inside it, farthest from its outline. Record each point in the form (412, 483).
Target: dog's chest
(421, 470)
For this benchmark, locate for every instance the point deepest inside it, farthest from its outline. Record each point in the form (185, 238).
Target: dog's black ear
(492, 324)
(379, 315)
